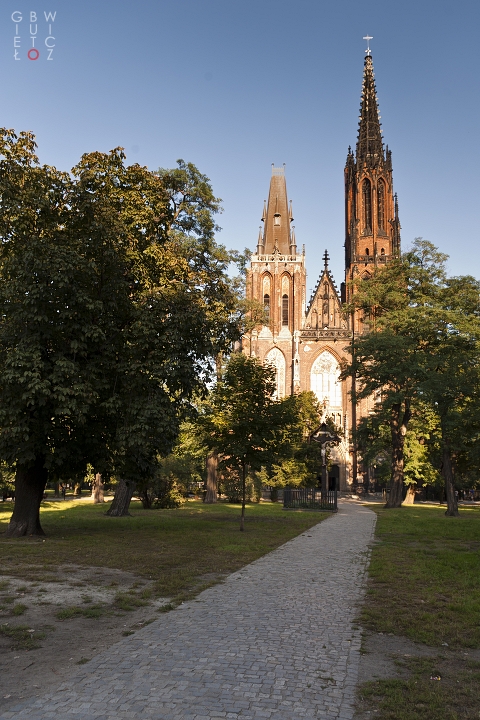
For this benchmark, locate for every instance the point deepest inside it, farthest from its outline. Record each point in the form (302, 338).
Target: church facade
(306, 341)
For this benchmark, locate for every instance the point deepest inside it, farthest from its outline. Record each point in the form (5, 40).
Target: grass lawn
(424, 583)
(181, 550)
(425, 576)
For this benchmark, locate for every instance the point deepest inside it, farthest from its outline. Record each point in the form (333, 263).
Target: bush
(230, 484)
(168, 493)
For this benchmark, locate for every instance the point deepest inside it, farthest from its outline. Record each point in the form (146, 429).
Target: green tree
(242, 421)
(374, 444)
(298, 460)
(180, 307)
(452, 383)
(114, 303)
(48, 329)
(387, 357)
(422, 329)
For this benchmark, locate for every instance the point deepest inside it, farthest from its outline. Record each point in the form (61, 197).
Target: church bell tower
(372, 226)
(276, 280)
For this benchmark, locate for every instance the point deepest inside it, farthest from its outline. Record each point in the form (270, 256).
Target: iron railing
(310, 499)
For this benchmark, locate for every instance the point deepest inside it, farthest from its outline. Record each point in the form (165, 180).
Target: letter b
(33, 17)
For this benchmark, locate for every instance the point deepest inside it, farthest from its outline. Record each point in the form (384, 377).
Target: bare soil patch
(94, 579)
(399, 678)
(52, 622)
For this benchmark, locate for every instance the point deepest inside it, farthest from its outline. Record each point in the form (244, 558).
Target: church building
(306, 341)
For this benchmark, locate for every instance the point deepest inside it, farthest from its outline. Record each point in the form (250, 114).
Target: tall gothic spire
(372, 226)
(369, 141)
(277, 218)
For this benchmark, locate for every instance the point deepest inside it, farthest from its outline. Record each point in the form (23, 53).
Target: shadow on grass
(179, 550)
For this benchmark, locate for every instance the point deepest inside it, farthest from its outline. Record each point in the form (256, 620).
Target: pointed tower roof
(369, 141)
(325, 277)
(277, 220)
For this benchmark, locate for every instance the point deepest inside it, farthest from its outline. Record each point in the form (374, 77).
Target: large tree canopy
(114, 300)
(421, 346)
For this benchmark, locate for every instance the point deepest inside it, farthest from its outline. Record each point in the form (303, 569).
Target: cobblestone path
(276, 640)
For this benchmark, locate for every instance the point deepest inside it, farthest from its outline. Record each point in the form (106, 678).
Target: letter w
(50, 16)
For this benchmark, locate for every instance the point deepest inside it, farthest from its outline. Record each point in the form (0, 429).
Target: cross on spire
(326, 259)
(368, 38)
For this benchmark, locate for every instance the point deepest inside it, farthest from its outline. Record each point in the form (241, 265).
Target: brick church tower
(372, 227)
(277, 279)
(307, 343)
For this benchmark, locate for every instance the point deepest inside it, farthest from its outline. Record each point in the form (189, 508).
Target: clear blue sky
(236, 86)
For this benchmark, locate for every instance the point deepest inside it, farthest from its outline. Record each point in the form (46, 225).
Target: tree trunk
(56, 489)
(244, 492)
(146, 499)
(410, 496)
(97, 489)
(366, 479)
(212, 464)
(77, 489)
(447, 473)
(354, 410)
(30, 481)
(398, 428)
(121, 500)
(274, 494)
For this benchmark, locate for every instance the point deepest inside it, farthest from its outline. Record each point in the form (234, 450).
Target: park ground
(95, 579)
(421, 617)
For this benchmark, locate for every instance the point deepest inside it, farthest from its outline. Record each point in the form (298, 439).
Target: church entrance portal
(334, 478)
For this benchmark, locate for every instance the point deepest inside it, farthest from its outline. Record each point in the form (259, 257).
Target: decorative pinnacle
(369, 141)
(368, 38)
(326, 259)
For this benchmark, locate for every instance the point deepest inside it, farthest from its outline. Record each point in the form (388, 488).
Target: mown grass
(437, 689)
(424, 585)
(181, 550)
(424, 576)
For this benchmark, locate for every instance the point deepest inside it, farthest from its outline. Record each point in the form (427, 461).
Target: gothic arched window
(276, 359)
(381, 205)
(367, 205)
(266, 306)
(285, 310)
(325, 381)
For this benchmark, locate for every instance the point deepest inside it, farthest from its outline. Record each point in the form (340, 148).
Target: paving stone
(276, 640)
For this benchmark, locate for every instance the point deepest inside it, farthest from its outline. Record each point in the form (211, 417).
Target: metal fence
(310, 499)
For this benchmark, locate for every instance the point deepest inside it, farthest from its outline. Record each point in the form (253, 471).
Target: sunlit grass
(424, 576)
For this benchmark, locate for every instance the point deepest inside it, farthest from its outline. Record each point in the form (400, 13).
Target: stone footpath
(275, 640)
